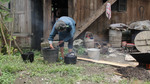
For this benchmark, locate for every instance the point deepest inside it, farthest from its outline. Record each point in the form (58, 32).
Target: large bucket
(50, 55)
(115, 38)
(89, 40)
(93, 53)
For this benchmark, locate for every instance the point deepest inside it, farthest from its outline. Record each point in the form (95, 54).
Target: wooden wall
(81, 10)
(22, 21)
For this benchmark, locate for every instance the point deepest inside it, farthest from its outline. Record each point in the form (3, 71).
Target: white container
(93, 53)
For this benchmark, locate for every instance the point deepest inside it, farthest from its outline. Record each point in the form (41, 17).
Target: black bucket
(141, 57)
(29, 56)
(50, 55)
(70, 58)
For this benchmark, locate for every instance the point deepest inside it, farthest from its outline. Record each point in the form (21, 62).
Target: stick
(12, 37)
(2, 32)
(104, 62)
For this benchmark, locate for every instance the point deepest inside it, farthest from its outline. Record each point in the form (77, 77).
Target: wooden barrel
(115, 38)
(142, 41)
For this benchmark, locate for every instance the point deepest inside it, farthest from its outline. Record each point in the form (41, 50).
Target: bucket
(93, 53)
(29, 56)
(89, 40)
(70, 58)
(50, 55)
(115, 38)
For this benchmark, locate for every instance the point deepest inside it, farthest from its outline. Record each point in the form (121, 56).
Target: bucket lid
(142, 41)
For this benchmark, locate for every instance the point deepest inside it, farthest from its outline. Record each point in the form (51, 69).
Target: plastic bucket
(50, 55)
(70, 58)
(29, 56)
(93, 53)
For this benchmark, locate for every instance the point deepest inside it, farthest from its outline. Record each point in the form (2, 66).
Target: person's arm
(51, 36)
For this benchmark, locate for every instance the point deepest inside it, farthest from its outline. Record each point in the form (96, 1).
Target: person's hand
(51, 46)
(60, 42)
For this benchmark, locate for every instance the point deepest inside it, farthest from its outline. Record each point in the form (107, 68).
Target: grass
(13, 67)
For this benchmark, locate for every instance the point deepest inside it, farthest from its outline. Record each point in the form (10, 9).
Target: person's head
(61, 26)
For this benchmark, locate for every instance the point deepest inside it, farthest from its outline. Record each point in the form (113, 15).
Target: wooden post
(47, 9)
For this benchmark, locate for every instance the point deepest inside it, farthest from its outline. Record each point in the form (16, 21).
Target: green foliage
(7, 78)
(94, 78)
(5, 18)
(81, 50)
(4, 1)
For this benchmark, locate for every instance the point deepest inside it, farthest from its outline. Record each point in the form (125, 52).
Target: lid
(142, 41)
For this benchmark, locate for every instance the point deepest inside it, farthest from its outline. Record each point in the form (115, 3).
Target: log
(105, 62)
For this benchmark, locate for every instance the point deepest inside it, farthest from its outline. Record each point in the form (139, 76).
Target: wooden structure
(142, 41)
(34, 19)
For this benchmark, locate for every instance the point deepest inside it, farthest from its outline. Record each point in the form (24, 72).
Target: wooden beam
(105, 62)
(91, 19)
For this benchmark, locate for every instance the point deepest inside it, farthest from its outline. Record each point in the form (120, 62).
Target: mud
(134, 72)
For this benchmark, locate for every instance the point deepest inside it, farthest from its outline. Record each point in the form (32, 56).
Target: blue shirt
(65, 35)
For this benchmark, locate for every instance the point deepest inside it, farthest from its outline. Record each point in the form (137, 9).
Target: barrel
(115, 38)
(89, 40)
(50, 55)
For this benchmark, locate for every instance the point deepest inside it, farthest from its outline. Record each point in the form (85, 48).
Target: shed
(34, 18)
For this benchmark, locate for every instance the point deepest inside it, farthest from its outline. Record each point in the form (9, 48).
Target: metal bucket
(50, 55)
(93, 53)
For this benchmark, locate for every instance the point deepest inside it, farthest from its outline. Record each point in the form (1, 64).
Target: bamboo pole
(10, 36)
(4, 38)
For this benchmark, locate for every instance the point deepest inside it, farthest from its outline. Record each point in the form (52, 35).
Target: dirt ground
(113, 74)
(118, 56)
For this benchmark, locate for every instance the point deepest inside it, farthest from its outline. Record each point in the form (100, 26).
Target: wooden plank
(28, 15)
(91, 7)
(78, 12)
(70, 8)
(47, 18)
(82, 11)
(75, 10)
(91, 19)
(95, 5)
(105, 62)
(87, 9)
